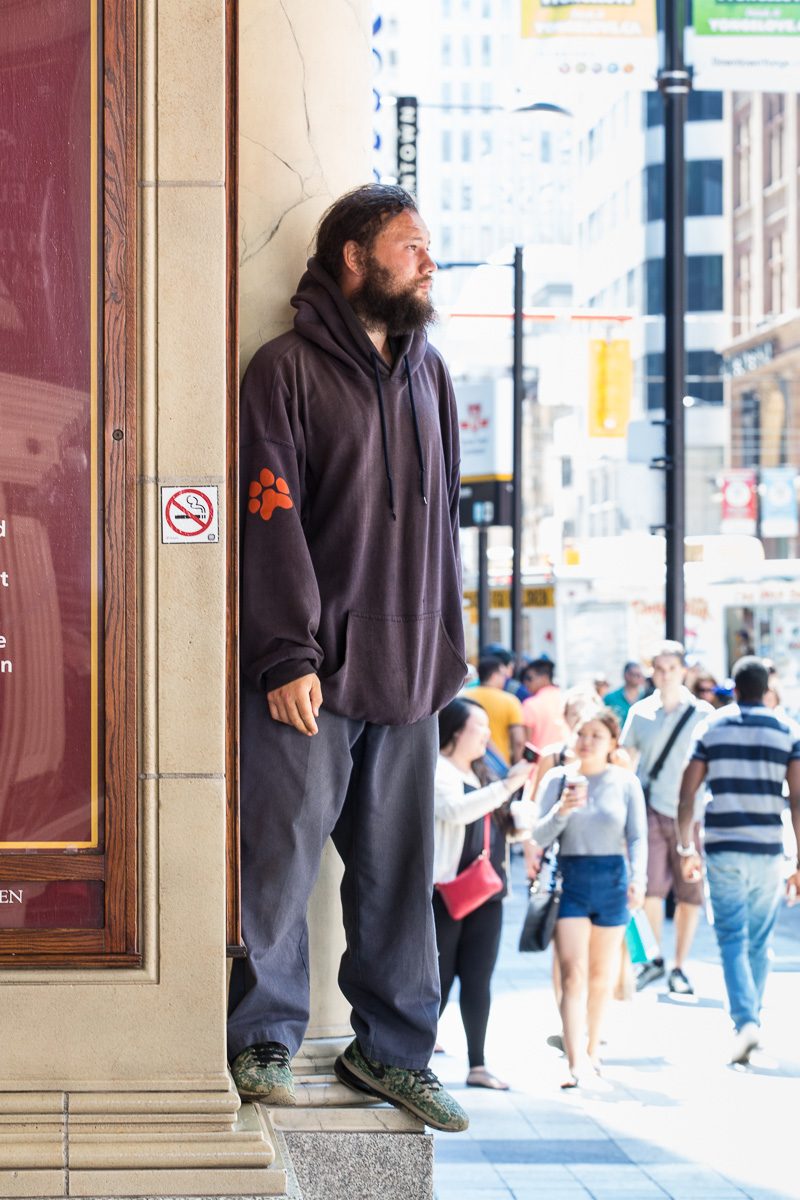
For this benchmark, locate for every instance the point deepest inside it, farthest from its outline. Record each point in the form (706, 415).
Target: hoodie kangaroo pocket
(396, 670)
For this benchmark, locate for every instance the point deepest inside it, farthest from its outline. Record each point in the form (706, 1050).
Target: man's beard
(379, 306)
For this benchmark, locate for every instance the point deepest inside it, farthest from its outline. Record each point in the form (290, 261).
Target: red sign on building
(739, 502)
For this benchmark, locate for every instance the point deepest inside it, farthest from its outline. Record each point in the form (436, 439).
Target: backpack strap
(670, 742)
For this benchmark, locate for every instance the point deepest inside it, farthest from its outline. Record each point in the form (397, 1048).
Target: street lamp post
(516, 526)
(674, 83)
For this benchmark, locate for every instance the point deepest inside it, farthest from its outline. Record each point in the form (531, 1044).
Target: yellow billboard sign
(595, 39)
(610, 387)
(584, 18)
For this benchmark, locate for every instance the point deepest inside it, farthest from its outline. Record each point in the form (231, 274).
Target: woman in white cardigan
(462, 797)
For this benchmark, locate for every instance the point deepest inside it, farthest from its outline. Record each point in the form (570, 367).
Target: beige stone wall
(305, 137)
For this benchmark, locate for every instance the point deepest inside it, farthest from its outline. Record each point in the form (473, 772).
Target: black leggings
(468, 949)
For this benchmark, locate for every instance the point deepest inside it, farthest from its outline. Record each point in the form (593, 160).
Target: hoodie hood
(326, 318)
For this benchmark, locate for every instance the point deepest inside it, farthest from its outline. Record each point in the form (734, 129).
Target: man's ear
(353, 256)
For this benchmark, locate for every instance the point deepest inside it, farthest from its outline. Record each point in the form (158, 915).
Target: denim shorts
(595, 886)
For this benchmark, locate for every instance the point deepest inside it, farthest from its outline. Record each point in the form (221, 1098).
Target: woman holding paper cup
(596, 812)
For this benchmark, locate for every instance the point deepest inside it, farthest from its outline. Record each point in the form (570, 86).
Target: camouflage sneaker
(417, 1091)
(262, 1072)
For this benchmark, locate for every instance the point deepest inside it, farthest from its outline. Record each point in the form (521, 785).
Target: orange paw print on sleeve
(268, 493)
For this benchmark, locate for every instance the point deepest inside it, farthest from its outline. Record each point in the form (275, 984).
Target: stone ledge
(326, 1091)
(109, 1185)
(362, 1166)
(381, 1118)
(143, 1159)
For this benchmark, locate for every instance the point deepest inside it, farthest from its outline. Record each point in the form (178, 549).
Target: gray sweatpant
(370, 787)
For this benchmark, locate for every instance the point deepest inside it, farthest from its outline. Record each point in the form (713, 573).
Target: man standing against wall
(744, 753)
(658, 733)
(351, 641)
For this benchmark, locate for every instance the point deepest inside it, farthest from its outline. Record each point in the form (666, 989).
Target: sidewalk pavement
(668, 1118)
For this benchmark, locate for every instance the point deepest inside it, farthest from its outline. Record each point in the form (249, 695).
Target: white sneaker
(744, 1043)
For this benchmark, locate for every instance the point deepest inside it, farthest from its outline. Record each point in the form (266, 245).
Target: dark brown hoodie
(350, 487)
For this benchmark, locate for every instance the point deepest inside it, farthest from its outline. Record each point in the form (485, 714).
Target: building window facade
(742, 294)
(741, 160)
(703, 189)
(773, 139)
(775, 276)
(704, 283)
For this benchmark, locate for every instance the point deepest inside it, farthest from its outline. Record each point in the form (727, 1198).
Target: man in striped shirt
(744, 753)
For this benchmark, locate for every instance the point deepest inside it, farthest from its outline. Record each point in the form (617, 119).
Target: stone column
(304, 122)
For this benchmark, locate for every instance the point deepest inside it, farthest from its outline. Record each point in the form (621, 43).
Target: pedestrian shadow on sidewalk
(628, 1092)
(767, 1065)
(606, 1089)
(689, 1001)
(654, 1063)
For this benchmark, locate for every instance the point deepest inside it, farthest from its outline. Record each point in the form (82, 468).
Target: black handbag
(540, 919)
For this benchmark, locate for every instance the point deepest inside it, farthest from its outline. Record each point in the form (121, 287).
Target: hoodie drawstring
(384, 434)
(416, 432)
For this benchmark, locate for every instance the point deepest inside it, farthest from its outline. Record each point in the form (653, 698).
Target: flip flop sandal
(480, 1077)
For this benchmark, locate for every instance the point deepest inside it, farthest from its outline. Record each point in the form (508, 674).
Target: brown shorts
(664, 862)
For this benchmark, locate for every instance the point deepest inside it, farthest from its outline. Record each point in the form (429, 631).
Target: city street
(668, 1118)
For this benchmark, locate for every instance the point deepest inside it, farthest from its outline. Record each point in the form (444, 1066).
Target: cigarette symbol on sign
(188, 513)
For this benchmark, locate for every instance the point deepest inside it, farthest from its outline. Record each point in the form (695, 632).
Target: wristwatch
(687, 851)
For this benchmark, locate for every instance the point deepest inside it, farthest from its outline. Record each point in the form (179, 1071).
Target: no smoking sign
(189, 514)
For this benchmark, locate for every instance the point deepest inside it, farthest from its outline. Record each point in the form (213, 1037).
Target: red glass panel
(50, 769)
(74, 904)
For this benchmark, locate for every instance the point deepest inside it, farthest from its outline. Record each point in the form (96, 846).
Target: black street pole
(674, 83)
(516, 526)
(483, 588)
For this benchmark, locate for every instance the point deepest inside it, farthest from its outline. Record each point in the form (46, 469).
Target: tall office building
(491, 175)
(763, 356)
(619, 202)
(488, 176)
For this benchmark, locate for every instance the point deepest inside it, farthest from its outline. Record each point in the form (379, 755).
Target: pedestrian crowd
(644, 802)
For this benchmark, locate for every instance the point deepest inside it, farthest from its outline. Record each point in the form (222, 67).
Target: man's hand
(635, 895)
(793, 888)
(692, 868)
(297, 703)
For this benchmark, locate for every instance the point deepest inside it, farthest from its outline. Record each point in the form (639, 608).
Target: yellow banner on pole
(610, 388)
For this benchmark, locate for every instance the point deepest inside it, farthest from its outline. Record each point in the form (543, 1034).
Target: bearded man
(351, 640)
